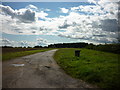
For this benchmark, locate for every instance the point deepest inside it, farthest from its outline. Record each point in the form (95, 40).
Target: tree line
(113, 48)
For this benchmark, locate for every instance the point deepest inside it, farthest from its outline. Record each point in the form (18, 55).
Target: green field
(12, 55)
(96, 67)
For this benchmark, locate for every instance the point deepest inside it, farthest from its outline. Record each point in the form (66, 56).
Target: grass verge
(96, 67)
(12, 55)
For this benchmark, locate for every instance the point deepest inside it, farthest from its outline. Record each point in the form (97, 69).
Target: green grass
(96, 67)
(12, 55)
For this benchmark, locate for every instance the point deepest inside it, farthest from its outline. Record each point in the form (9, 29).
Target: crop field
(96, 67)
(9, 50)
(11, 53)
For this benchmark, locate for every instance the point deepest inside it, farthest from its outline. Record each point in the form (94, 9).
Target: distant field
(9, 50)
(96, 67)
(11, 53)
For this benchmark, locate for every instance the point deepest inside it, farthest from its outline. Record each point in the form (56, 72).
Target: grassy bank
(96, 67)
(12, 55)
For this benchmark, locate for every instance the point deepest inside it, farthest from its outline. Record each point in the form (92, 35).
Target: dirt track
(38, 71)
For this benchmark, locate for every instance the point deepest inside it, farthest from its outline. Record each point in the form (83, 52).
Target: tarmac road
(37, 71)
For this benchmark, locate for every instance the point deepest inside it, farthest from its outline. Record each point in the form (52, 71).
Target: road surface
(38, 71)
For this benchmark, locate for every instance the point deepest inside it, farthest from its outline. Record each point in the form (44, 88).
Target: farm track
(37, 71)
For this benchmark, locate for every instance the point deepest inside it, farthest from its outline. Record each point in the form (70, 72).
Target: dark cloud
(20, 32)
(41, 28)
(8, 10)
(25, 16)
(110, 25)
(95, 25)
(119, 5)
(17, 29)
(99, 35)
(119, 17)
(34, 28)
(33, 31)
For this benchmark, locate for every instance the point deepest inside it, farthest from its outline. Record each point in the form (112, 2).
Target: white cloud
(28, 14)
(74, 8)
(41, 15)
(101, 26)
(20, 21)
(47, 10)
(64, 10)
(7, 42)
(106, 1)
(102, 1)
(42, 42)
(90, 25)
(92, 1)
(26, 44)
(31, 7)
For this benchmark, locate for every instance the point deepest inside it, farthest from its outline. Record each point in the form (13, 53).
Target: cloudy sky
(44, 23)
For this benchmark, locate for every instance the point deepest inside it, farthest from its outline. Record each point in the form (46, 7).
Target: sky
(44, 23)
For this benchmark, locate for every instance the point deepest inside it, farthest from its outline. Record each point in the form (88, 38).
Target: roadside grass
(96, 67)
(12, 55)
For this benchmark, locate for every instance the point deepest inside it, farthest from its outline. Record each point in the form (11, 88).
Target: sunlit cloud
(94, 23)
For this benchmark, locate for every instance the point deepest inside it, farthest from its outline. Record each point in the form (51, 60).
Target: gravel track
(37, 71)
